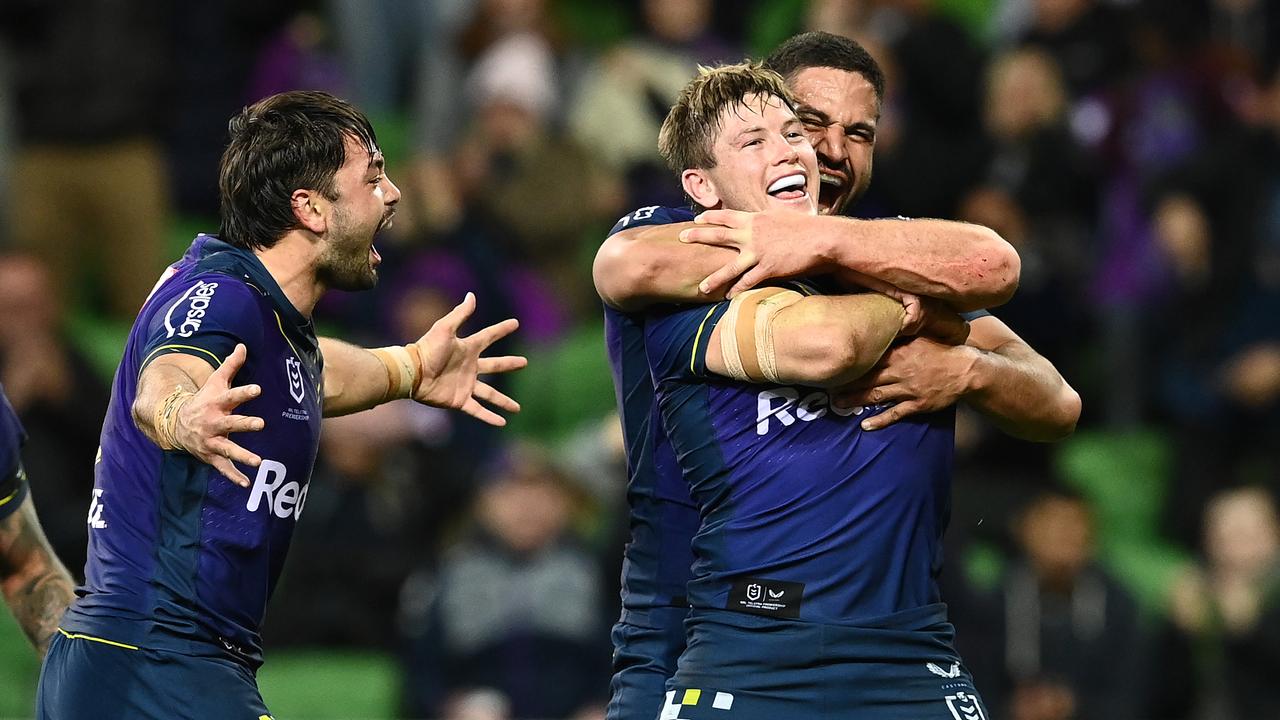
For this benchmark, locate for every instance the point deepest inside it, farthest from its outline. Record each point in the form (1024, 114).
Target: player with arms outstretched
(223, 377)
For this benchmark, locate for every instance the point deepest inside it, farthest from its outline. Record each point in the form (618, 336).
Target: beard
(345, 263)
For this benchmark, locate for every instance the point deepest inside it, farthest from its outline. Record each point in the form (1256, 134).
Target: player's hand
(939, 322)
(451, 365)
(919, 376)
(769, 246)
(206, 421)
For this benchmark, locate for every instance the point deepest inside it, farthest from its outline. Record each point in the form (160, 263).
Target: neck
(292, 263)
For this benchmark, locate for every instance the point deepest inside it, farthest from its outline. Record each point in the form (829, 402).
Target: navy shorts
(746, 667)
(95, 678)
(646, 646)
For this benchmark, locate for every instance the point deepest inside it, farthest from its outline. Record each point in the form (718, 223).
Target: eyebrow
(748, 131)
(377, 162)
(825, 119)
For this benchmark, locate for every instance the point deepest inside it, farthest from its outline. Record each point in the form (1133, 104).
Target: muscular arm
(968, 266)
(996, 373)
(1018, 388)
(825, 341)
(35, 584)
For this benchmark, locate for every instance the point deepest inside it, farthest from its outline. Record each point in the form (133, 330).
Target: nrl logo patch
(293, 368)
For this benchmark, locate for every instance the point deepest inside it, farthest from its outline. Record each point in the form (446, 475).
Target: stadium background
(1129, 149)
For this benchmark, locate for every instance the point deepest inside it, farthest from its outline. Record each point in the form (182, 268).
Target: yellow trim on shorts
(104, 641)
(691, 696)
(693, 358)
(217, 362)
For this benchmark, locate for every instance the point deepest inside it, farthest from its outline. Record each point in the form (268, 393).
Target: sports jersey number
(643, 213)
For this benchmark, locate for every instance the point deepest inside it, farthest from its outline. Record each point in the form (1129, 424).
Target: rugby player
(223, 374)
(35, 584)
(840, 87)
(813, 592)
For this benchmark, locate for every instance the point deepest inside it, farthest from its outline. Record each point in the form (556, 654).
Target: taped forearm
(821, 341)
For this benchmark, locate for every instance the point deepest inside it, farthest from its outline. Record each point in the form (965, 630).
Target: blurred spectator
(92, 90)
(299, 57)
(625, 94)
(935, 83)
(1088, 38)
(379, 43)
(59, 397)
(515, 610)
(1060, 639)
(1213, 334)
(457, 34)
(1220, 650)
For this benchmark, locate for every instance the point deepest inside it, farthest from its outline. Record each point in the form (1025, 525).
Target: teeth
(787, 183)
(831, 180)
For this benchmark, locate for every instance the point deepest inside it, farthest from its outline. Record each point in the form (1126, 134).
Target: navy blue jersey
(13, 482)
(181, 558)
(656, 562)
(804, 515)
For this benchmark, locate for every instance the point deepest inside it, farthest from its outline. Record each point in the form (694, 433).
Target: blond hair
(690, 128)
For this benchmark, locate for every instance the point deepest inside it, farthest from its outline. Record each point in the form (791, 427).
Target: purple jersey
(13, 485)
(656, 566)
(804, 515)
(180, 558)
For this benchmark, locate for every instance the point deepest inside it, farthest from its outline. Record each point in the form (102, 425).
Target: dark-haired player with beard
(839, 88)
(223, 375)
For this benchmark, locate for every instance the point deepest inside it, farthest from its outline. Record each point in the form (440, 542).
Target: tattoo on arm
(35, 584)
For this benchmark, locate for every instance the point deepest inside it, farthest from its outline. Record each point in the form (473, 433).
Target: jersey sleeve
(13, 481)
(652, 215)
(677, 337)
(208, 316)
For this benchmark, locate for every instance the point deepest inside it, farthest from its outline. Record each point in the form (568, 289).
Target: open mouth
(830, 190)
(788, 187)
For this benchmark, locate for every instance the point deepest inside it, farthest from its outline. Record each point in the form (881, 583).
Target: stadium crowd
(1129, 150)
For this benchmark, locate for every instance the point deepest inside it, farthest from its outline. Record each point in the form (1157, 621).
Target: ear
(699, 186)
(311, 209)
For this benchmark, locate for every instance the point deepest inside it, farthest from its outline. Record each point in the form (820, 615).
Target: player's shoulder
(652, 215)
(198, 293)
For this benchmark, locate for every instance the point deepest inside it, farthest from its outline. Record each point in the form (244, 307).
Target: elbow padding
(746, 333)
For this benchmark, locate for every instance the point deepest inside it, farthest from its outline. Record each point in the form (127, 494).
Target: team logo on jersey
(784, 405)
(953, 672)
(293, 369)
(196, 303)
(760, 596)
(965, 706)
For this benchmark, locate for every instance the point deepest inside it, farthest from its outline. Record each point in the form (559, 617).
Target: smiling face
(365, 203)
(840, 110)
(762, 161)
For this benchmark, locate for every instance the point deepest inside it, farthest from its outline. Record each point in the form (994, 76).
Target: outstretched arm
(440, 368)
(996, 373)
(35, 584)
(967, 266)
